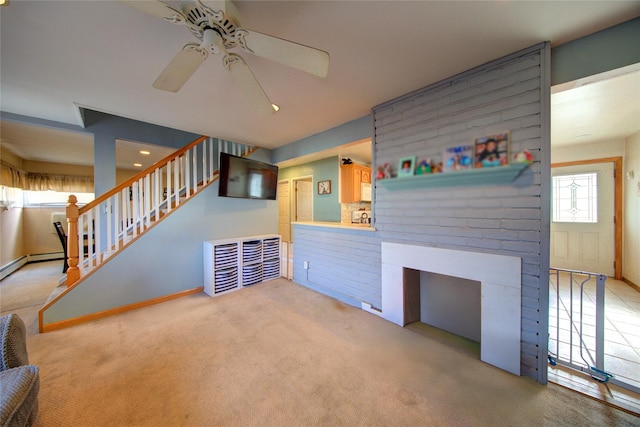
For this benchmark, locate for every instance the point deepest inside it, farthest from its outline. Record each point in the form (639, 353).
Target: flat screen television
(246, 178)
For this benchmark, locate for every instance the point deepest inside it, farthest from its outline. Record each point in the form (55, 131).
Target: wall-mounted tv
(246, 178)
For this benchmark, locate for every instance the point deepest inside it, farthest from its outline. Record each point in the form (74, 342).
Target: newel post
(73, 273)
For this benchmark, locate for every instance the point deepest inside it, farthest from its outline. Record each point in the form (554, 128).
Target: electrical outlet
(306, 265)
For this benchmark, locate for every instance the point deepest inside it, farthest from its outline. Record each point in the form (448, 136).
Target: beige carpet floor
(278, 354)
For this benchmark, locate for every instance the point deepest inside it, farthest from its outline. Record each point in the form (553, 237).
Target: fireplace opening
(500, 287)
(443, 307)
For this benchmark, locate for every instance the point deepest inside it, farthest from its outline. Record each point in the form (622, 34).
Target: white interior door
(284, 211)
(589, 244)
(304, 200)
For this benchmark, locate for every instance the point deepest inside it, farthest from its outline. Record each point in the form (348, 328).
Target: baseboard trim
(113, 311)
(630, 283)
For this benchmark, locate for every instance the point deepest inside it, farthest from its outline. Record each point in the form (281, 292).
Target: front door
(582, 223)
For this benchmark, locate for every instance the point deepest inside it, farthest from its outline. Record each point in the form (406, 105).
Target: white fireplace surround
(500, 280)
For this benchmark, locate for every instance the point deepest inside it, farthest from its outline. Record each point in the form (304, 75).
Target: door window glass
(575, 198)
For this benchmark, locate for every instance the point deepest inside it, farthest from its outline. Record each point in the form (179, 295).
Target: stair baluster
(123, 214)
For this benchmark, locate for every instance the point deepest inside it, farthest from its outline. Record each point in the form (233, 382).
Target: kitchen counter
(344, 225)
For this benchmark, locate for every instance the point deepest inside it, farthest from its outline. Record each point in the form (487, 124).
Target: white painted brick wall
(344, 264)
(501, 219)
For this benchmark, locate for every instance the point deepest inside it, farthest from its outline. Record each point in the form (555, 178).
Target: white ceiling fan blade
(285, 52)
(157, 9)
(181, 67)
(248, 84)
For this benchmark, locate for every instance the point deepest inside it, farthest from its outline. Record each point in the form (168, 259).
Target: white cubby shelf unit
(232, 264)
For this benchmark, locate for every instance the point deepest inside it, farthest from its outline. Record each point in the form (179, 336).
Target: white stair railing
(118, 217)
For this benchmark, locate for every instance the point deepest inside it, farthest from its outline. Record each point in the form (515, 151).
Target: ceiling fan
(218, 30)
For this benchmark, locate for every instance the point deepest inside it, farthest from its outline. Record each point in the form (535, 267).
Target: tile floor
(621, 331)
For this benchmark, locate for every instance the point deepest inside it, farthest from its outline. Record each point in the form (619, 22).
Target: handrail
(108, 224)
(141, 174)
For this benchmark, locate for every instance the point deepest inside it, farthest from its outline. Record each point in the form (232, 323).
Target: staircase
(105, 227)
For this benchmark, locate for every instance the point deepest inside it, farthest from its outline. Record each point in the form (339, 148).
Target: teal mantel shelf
(482, 176)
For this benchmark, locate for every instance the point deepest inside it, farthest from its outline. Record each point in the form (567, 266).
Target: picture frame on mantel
(324, 187)
(492, 150)
(406, 166)
(457, 158)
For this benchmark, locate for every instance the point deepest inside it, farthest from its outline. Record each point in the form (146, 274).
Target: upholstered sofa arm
(19, 397)
(13, 342)
(19, 381)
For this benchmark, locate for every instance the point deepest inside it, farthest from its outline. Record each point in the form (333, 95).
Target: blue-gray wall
(354, 130)
(168, 258)
(107, 128)
(343, 263)
(615, 47)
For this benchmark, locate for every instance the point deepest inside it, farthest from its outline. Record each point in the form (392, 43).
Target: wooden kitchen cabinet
(351, 178)
(366, 175)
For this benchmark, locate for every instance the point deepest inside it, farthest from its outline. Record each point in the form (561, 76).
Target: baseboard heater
(9, 268)
(46, 257)
(14, 265)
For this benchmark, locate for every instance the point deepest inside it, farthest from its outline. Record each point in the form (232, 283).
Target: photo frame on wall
(457, 158)
(406, 166)
(492, 150)
(324, 187)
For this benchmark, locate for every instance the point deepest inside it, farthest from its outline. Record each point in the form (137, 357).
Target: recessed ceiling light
(4, 2)
(145, 152)
(138, 165)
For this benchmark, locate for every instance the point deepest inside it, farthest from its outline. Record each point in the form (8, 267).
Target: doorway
(303, 206)
(592, 120)
(284, 210)
(586, 223)
(295, 203)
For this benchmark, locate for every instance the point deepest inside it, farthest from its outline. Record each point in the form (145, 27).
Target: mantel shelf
(467, 177)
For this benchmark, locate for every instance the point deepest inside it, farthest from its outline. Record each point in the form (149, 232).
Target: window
(54, 198)
(575, 198)
(10, 197)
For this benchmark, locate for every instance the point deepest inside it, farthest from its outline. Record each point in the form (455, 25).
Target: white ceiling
(103, 55)
(76, 148)
(600, 108)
